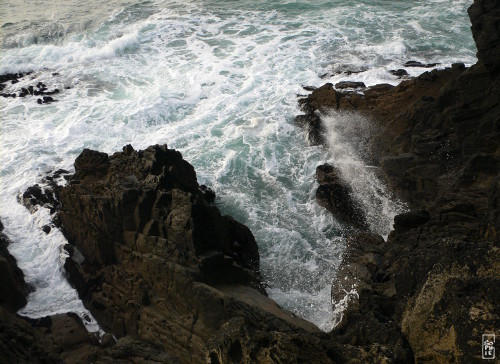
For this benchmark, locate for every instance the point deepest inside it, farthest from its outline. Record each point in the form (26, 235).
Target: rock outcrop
(437, 141)
(59, 338)
(154, 261)
(39, 89)
(334, 194)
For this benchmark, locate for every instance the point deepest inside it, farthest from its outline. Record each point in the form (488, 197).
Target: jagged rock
(437, 142)
(485, 16)
(153, 260)
(322, 98)
(492, 228)
(335, 195)
(399, 72)
(349, 84)
(40, 89)
(309, 88)
(419, 64)
(208, 193)
(13, 289)
(314, 127)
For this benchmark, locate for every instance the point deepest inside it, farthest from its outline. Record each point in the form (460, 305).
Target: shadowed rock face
(334, 194)
(485, 17)
(13, 289)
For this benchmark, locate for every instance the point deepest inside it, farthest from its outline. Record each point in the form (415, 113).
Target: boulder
(436, 139)
(335, 195)
(420, 64)
(154, 261)
(349, 84)
(399, 72)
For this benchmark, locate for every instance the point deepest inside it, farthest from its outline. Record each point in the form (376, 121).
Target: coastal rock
(40, 89)
(437, 143)
(399, 72)
(349, 84)
(314, 128)
(410, 220)
(485, 16)
(420, 64)
(13, 289)
(320, 99)
(153, 260)
(366, 326)
(336, 196)
(208, 193)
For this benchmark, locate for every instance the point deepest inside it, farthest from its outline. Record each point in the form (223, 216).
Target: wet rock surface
(13, 289)
(349, 84)
(38, 89)
(59, 338)
(335, 195)
(399, 72)
(420, 64)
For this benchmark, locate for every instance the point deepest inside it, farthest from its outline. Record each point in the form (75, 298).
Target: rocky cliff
(153, 260)
(437, 144)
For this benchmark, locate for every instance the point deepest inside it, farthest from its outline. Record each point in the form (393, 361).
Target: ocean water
(217, 80)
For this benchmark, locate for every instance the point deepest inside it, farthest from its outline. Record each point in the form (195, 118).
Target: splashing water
(347, 134)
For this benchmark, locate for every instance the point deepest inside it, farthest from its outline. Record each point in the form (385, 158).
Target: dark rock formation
(349, 84)
(154, 261)
(40, 89)
(320, 99)
(335, 195)
(368, 327)
(13, 289)
(420, 64)
(399, 72)
(485, 16)
(174, 280)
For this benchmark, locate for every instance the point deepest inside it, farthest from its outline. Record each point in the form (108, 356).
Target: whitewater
(218, 81)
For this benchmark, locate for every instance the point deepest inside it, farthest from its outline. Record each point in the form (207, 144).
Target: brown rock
(155, 262)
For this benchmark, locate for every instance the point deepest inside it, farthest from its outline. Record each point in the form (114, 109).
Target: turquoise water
(217, 80)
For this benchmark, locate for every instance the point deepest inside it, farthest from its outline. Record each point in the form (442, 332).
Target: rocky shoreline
(171, 279)
(437, 144)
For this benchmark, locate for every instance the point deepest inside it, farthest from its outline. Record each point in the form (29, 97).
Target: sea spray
(347, 135)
